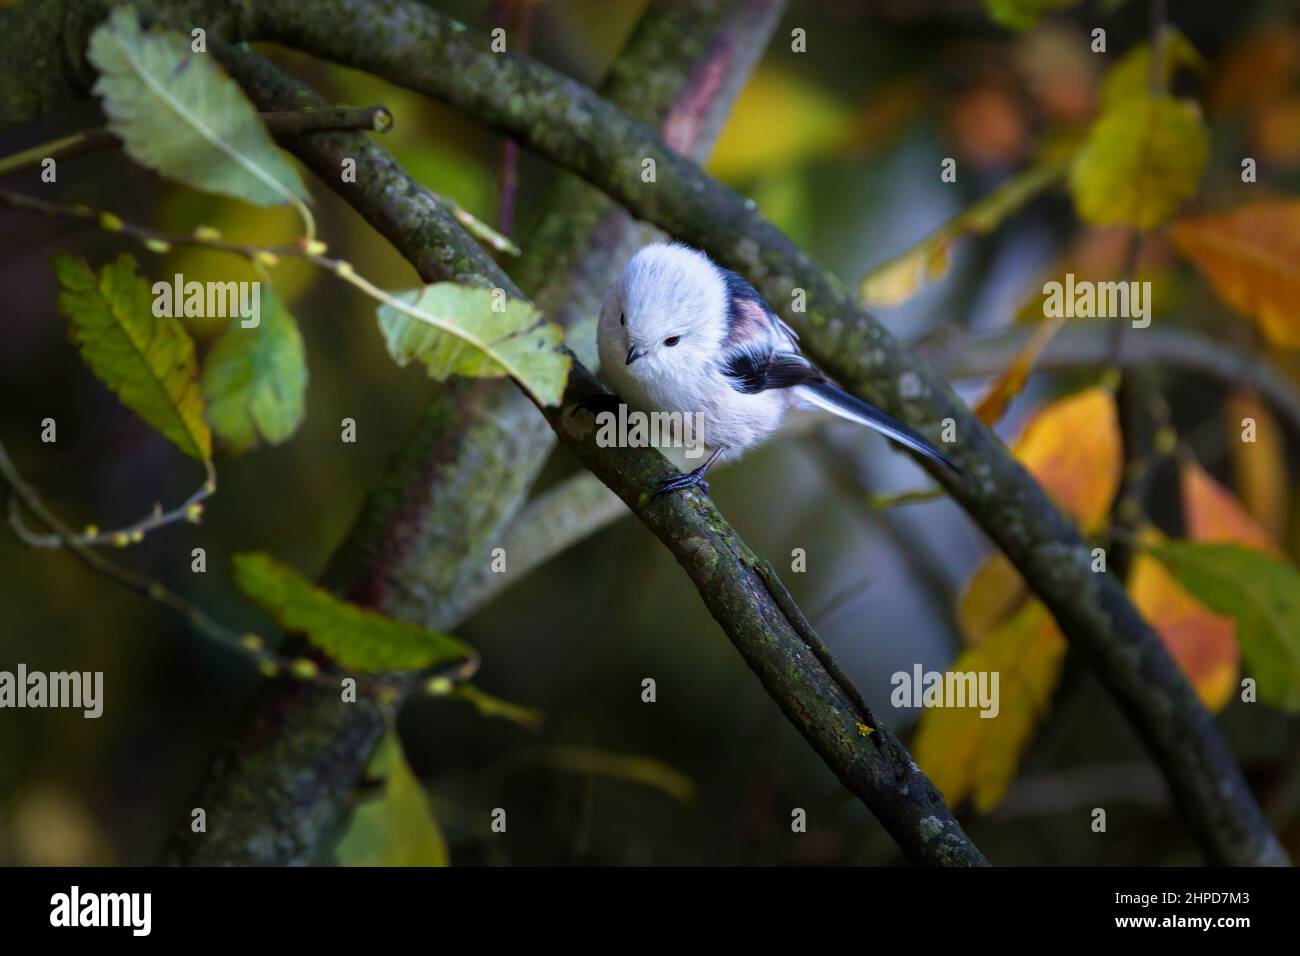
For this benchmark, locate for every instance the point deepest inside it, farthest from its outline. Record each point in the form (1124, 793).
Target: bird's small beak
(633, 355)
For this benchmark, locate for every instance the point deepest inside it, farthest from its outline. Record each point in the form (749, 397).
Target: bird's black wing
(756, 370)
(760, 351)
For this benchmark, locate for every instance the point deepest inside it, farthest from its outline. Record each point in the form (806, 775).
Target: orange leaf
(1213, 514)
(1073, 448)
(1259, 465)
(1011, 382)
(992, 594)
(964, 753)
(1203, 643)
(1252, 258)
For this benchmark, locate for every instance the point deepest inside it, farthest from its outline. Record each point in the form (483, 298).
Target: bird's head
(665, 315)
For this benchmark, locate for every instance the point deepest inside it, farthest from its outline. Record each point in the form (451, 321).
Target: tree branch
(568, 124)
(795, 668)
(1087, 345)
(454, 484)
(565, 122)
(552, 522)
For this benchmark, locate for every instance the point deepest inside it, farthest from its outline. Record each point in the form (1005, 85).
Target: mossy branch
(569, 124)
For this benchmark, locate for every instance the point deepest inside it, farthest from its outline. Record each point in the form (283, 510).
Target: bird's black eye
(672, 340)
(622, 319)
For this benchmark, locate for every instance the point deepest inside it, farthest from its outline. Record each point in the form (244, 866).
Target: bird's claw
(692, 479)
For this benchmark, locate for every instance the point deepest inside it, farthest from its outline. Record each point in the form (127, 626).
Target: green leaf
(398, 828)
(1131, 76)
(1022, 14)
(178, 113)
(1262, 594)
(454, 330)
(1144, 157)
(255, 379)
(356, 638)
(148, 360)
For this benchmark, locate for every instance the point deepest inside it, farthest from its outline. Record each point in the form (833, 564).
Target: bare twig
(440, 682)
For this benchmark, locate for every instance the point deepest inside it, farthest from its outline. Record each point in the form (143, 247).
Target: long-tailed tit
(678, 333)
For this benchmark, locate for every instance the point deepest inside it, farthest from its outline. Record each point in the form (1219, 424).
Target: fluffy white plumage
(674, 292)
(678, 333)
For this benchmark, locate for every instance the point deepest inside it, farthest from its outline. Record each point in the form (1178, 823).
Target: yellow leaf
(1132, 75)
(1073, 448)
(964, 753)
(899, 277)
(992, 594)
(1251, 256)
(145, 358)
(1201, 642)
(1259, 466)
(1011, 382)
(812, 123)
(1143, 158)
(1211, 513)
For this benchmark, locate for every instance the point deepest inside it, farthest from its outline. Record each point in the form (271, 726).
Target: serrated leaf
(1262, 594)
(398, 828)
(1023, 14)
(1143, 158)
(255, 379)
(147, 360)
(966, 754)
(178, 113)
(457, 332)
(1251, 256)
(357, 638)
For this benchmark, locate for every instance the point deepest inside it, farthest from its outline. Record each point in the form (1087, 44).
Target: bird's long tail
(839, 402)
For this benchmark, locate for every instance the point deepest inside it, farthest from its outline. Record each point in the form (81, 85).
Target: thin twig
(441, 682)
(190, 510)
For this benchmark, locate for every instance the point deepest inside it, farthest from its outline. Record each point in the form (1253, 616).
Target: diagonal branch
(570, 125)
(752, 608)
(879, 767)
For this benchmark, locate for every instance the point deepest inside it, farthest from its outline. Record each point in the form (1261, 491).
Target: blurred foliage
(842, 147)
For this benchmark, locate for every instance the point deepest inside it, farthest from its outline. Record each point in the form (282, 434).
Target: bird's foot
(692, 479)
